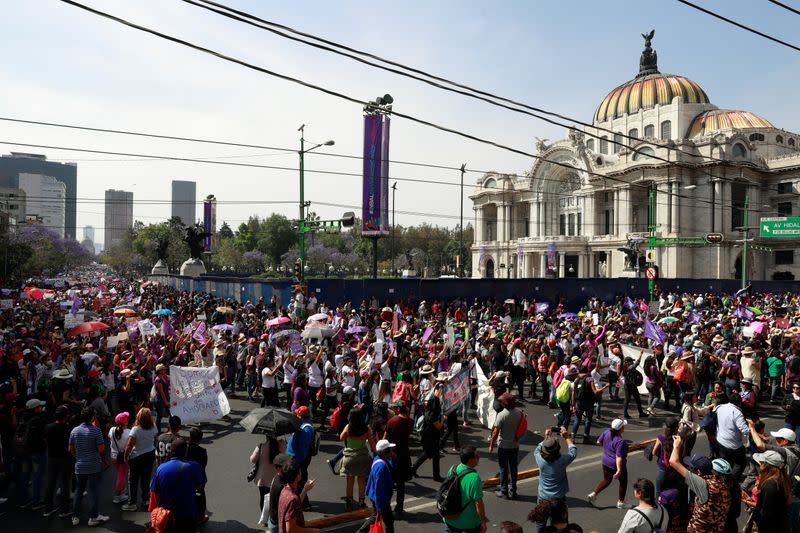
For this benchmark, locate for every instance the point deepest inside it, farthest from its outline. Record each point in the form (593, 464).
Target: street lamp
(394, 190)
(302, 224)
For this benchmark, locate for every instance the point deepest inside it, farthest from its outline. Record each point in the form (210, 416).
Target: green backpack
(564, 390)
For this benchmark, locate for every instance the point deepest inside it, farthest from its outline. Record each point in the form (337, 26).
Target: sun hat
(126, 372)
(771, 457)
(618, 423)
(699, 462)
(443, 376)
(425, 370)
(347, 389)
(575, 360)
(721, 466)
(718, 338)
(302, 411)
(747, 380)
(122, 418)
(551, 448)
(784, 433)
(62, 373)
(33, 403)
(383, 445)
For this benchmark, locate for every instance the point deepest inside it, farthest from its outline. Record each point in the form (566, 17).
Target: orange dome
(725, 119)
(645, 92)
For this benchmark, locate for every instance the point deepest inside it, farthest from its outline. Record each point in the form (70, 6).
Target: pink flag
(758, 327)
(200, 333)
(167, 330)
(426, 335)
(187, 329)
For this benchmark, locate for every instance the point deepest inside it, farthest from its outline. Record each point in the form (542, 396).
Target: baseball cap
(383, 445)
(699, 462)
(122, 418)
(784, 433)
(721, 466)
(618, 423)
(771, 457)
(33, 403)
(302, 411)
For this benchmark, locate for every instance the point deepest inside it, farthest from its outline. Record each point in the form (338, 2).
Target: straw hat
(748, 350)
(442, 376)
(426, 370)
(718, 338)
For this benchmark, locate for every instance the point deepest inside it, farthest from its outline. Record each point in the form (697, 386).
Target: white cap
(383, 445)
(784, 433)
(618, 423)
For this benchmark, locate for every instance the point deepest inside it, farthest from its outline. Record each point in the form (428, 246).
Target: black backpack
(633, 377)
(448, 497)
(584, 394)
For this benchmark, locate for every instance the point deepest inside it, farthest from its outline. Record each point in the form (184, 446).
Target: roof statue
(648, 62)
(162, 243)
(194, 239)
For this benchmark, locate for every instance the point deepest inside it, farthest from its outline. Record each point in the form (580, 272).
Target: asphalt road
(233, 503)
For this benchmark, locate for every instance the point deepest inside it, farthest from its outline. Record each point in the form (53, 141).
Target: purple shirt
(613, 447)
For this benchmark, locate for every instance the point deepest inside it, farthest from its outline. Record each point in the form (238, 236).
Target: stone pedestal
(160, 268)
(193, 268)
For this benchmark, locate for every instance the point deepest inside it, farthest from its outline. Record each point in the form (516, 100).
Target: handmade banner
(296, 342)
(633, 352)
(70, 320)
(147, 328)
(456, 390)
(485, 400)
(112, 341)
(196, 394)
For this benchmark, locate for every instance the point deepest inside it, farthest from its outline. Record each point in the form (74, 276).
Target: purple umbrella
(568, 315)
(357, 329)
(223, 327)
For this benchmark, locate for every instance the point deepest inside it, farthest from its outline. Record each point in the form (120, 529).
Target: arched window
(604, 144)
(779, 139)
(643, 152)
(590, 145)
(756, 137)
(666, 130)
(633, 133)
(739, 151)
(491, 183)
(649, 130)
(791, 141)
(617, 142)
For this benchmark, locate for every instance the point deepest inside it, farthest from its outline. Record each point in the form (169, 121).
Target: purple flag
(76, 304)
(154, 345)
(133, 329)
(167, 330)
(200, 333)
(426, 335)
(629, 303)
(745, 313)
(187, 329)
(542, 307)
(130, 297)
(653, 332)
(695, 317)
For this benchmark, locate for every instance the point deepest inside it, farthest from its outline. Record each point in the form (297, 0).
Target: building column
(479, 222)
(589, 216)
(675, 202)
(625, 208)
(717, 222)
(561, 261)
(542, 264)
(501, 222)
(590, 265)
(616, 229)
(582, 266)
(538, 218)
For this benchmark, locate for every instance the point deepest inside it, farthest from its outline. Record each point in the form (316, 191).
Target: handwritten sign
(426, 335)
(456, 390)
(70, 320)
(196, 394)
(7, 303)
(112, 341)
(147, 328)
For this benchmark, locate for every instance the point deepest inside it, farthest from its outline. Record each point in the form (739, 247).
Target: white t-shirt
(519, 358)
(314, 375)
(634, 522)
(267, 381)
(288, 373)
(615, 362)
(348, 376)
(89, 359)
(118, 445)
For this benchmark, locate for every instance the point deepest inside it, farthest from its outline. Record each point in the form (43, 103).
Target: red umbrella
(278, 321)
(86, 327)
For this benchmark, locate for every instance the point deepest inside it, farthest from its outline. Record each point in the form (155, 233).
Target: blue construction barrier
(574, 291)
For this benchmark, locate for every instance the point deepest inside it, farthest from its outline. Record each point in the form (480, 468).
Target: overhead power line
(350, 98)
(740, 25)
(784, 6)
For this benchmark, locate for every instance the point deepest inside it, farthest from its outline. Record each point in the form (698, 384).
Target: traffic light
(298, 270)
(714, 238)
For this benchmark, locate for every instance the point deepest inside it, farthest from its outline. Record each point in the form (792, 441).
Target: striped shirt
(86, 438)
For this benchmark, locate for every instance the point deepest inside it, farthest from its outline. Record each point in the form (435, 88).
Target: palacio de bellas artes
(658, 156)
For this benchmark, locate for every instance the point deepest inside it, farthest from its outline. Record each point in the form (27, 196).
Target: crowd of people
(374, 377)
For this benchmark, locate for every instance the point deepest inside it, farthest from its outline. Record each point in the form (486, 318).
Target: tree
(276, 236)
(225, 232)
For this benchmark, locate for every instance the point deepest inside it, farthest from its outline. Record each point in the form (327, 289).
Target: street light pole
(394, 190)
(461, 227)
(746, 234)
(301, 224)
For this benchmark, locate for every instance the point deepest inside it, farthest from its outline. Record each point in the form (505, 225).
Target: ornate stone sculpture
(194, 238)
(576, 138)
(541, 145)
(632, 254)
(648, 62)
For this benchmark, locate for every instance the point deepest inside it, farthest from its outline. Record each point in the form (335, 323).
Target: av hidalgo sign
(776, 227)
(375, 187)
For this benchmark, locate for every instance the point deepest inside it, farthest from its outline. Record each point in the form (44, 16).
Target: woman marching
(613, 461)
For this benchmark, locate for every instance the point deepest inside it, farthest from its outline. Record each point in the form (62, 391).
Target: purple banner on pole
(372, 201)
(384, 178)
(551, 260)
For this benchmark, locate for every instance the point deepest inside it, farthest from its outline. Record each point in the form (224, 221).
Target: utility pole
(394, 190)
(301, 224)
(461, 227)
(651, 227)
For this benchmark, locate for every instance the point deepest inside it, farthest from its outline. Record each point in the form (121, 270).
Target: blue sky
(64, 65)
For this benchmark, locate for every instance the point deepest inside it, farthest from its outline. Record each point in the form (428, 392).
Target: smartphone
(555, 429)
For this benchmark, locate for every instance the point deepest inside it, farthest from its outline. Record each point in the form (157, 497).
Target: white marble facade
(585, 197)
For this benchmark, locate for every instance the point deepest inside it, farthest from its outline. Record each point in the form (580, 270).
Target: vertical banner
(373, 207)
(384, 177)
(551, 259)
(209, 221)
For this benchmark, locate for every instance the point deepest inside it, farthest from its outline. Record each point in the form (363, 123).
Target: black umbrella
(271, 421)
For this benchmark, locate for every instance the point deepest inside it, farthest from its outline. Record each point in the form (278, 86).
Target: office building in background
(17, 163)
(119, 217)
(45, 200)
(184, 194)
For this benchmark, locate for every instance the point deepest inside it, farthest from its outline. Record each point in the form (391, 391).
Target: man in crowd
(380, 485)
(472, 519)
(290, 510)
(398, 432)
(164, 440)
(553, 482)
(505, 427)
(732, 431)
(87, 446)
(300, 446)
(31, 453)
(59, 463)
(174, 487)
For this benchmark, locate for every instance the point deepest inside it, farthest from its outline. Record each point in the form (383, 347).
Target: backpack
(653, 529)
(448, 497)
(563, 391)
(558, 377)
(336, 416)
(315, 440)
(522, 427)
(634, 377)
(22, 437)
(584, 394)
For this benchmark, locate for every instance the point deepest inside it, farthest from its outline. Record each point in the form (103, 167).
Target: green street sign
(776, 227)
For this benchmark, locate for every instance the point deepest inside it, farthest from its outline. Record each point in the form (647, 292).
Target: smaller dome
(645, 92)
(725, 119)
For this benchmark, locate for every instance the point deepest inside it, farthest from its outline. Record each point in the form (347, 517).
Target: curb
(361, 514)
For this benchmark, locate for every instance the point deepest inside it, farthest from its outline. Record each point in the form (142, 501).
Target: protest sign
(426, 335)
(456, 390)
(147, 328)
(379, 334)
(112, 341)
(123, 336)
(7, 303)
(747, 331)
(451, 336)
(378, 345)
(633, 352)
(70, 320)
(485, 400)
(296, 342)
(196, 394)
